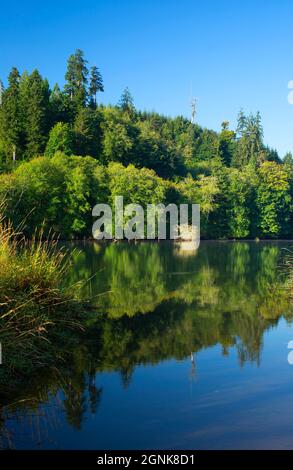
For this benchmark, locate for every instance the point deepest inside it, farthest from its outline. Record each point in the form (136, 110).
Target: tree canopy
(66, 149)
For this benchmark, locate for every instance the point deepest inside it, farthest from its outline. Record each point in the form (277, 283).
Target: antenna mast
(193, 110)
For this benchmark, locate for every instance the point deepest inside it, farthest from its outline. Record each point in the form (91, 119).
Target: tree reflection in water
(151, 302)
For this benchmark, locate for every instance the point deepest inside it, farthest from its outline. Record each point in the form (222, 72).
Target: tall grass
(32, 299)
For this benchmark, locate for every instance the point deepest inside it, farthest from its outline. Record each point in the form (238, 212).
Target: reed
(32, 299)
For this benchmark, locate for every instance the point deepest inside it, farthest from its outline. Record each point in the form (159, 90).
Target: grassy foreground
(33, 303)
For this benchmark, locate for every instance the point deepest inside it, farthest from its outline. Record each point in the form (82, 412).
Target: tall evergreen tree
(34, 92)
(288, 158)
(254, 139)
(241, 123)
(87, 128)
(96, 85)
(126, 101)
(250, 148)
(60, 106)
(11, 130)
(76, 78)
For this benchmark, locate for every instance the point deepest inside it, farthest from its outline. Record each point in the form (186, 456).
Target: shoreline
(204, 240)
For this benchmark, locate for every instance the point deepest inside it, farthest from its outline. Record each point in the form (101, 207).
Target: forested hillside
(62, 151)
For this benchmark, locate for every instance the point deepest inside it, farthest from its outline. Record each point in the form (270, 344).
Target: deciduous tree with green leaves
(274, 200)
(61, 138)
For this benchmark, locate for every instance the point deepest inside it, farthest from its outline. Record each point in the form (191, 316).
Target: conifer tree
(288, 158)
(76, 78)
(126, 101)
(96, 85)
(59, 106)
(11, 130)
(34, 92)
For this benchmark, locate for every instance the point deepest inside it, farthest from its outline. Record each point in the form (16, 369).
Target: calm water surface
(186, 350)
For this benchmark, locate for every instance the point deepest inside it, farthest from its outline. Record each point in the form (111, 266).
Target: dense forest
(62, 152)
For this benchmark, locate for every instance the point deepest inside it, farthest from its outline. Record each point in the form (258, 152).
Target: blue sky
(233, 54)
